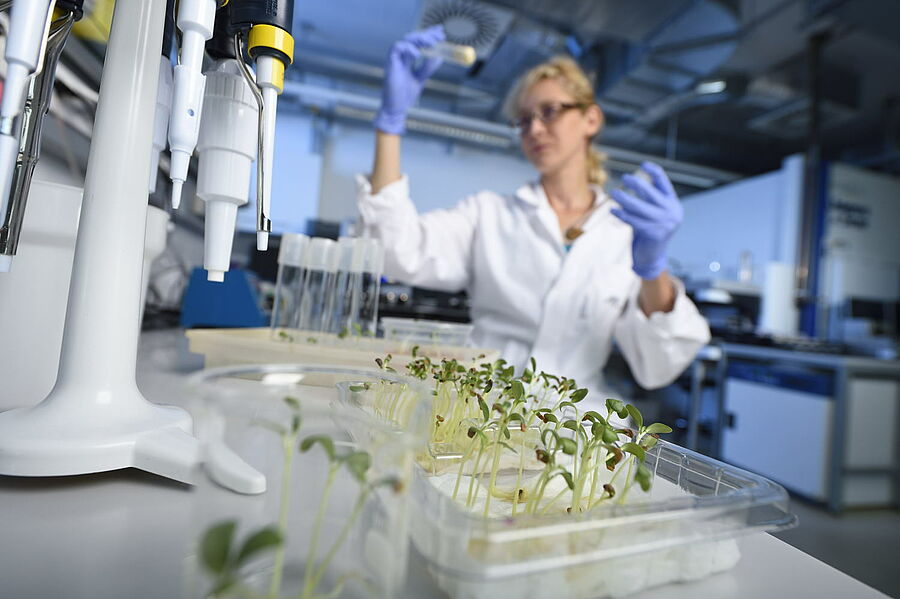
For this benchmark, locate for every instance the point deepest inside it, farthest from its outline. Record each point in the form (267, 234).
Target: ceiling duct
(784, 92)
(467, 22)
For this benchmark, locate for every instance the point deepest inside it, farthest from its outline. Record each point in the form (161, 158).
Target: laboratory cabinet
(825, 427)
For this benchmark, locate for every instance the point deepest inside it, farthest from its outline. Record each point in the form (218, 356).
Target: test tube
(370, 286)
(456, 53)
(320, 266)
(344, 300)
(288, 283)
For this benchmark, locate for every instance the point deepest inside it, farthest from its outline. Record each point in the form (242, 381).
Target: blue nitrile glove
(404, 76)
(654, 212)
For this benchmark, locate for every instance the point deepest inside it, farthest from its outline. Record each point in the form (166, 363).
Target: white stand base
(53, 439)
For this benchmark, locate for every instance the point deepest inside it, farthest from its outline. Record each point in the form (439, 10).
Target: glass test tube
(320, 269)
(289, 283)
(349, 271)
(373, 265)
(456, 53)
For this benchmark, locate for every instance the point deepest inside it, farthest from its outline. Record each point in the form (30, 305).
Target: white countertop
(125, 534)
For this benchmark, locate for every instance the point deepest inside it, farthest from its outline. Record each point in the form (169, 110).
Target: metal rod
(807, 260)
(37, 104)
(262, 219)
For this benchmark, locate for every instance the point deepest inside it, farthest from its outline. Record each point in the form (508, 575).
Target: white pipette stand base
(50, 440)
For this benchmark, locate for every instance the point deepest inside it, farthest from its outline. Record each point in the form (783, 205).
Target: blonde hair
(567, 72)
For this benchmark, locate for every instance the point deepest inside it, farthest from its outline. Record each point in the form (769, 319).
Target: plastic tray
(683, 529)
(227, 347)
(427, 332)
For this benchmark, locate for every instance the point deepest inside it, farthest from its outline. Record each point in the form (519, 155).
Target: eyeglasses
(547, 113)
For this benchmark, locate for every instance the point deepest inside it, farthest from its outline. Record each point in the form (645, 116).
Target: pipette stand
(95, 418)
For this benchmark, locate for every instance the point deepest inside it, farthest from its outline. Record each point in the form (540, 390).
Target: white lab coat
(529, 296)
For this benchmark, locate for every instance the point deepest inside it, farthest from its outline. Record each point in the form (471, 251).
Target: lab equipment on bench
(232, 302)
(327, 287)
(95, 418)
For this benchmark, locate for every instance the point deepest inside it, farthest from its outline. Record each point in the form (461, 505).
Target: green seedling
(223, 557)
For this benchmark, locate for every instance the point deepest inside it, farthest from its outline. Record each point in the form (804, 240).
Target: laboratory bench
(836, 412)
(127, 533)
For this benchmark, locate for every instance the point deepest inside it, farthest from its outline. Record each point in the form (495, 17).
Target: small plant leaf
(266, 538)
(617, 406)
(568, 478)
(635, 415)
(635, 450)
(295, 423)
(517, 390)
(578, 395)
(323, 440)
(572, 425)
(594, 417)
(649, 441)
(568, 446)
(551, 418)
(215, 546)
(292, 402)
(358, 464)
(644, 477)
(610, 435)
(658, 428)
(485, 412)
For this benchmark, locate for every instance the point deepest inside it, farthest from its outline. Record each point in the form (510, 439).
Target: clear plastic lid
(321, 254)
(292, 248)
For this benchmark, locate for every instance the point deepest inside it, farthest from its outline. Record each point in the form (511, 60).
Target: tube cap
(374, 256)
(319, 254)
(293, 247)
(352, 254)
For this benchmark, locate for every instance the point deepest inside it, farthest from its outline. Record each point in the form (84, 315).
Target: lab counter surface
(125, 534)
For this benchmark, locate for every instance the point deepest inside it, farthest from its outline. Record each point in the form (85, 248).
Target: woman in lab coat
(558, 269)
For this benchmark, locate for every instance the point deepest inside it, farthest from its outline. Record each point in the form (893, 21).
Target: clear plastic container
(682, 529)
(426, 332)
(301, 495)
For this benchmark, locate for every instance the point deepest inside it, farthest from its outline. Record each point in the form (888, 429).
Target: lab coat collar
(532, 193)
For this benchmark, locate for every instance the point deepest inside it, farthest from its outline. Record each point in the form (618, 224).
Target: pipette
(28, 25)
(195, 20)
